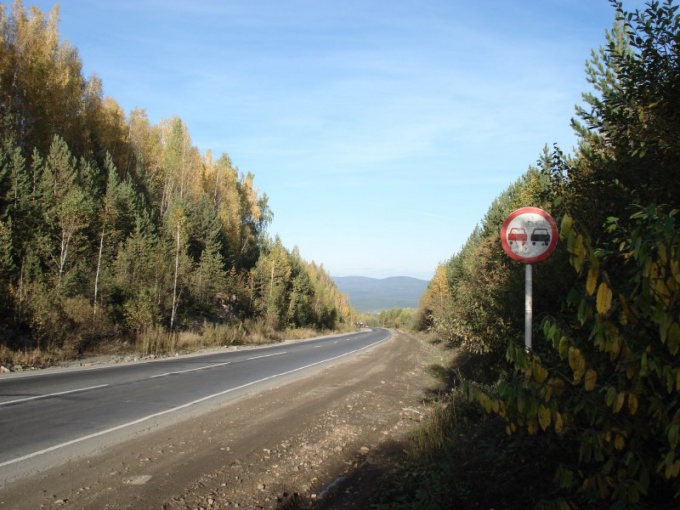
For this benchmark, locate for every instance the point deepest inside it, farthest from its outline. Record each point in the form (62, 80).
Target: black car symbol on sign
(540, 235)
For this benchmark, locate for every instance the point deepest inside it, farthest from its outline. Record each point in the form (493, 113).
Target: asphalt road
(49, 417)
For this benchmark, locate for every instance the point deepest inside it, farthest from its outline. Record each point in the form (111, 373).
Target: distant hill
(374, 294)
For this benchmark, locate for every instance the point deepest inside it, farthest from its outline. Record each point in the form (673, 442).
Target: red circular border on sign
(553, 237)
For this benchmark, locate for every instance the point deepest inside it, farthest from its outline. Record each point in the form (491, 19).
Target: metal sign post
(529, 235)
(528, 306)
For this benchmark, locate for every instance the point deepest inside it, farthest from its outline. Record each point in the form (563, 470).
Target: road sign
(529, 235)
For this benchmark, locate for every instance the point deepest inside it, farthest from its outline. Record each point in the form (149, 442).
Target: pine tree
(108, 213)
(66, 208)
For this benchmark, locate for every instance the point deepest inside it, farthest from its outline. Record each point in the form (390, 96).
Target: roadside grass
(461, 458)
(159, 341)
(37, 358)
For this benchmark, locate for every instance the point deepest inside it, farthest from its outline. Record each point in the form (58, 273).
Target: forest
(116, 233)
(590, 418)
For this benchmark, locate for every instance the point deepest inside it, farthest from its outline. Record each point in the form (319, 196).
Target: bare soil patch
(324, 441)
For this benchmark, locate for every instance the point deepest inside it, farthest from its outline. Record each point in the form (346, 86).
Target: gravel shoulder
(322, 441)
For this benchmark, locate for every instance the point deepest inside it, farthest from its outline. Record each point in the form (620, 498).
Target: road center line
(19, 400)
(183, 406)
(190, 370)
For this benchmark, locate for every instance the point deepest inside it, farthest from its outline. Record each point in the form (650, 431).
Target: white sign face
(529, 235)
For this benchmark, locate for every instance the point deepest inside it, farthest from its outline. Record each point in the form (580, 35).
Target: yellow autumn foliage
(577, 363)
(558, 423)
(591, 281)
(604, 299)
(544, 418)
(619, 401)
(632, 403)
(590, 379)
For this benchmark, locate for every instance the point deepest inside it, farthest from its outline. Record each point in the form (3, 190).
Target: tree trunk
(96, 277)
(65, 240)
(174, 289)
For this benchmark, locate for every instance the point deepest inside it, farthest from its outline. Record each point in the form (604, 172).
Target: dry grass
(158, 341)
(34, 358)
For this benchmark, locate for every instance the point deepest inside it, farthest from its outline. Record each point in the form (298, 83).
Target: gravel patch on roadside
(337, 459)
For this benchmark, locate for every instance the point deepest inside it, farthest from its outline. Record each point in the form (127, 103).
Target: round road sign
(529, 235)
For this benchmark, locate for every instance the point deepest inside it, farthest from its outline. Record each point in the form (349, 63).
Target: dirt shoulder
(319, 442)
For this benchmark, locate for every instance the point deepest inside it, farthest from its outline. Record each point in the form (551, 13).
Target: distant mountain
(374, 294)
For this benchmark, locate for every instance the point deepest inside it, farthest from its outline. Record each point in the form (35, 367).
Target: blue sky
(381, 130)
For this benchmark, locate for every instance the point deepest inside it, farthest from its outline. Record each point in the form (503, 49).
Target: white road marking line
(190, 370)
(51, 395)
(267, 355)
(167, 411)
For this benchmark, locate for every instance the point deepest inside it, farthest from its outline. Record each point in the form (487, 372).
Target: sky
(380, 130)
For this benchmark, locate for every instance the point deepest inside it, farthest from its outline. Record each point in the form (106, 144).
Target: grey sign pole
(528, 306)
